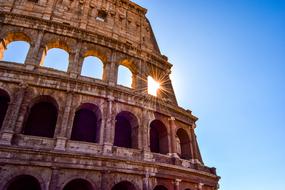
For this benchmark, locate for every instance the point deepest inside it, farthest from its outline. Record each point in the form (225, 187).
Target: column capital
(110, 98)
(177, 181)
(171, 118)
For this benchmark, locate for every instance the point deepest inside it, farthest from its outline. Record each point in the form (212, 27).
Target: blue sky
(231, 55)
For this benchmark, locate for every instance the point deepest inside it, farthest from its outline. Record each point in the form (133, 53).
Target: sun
(153, 86)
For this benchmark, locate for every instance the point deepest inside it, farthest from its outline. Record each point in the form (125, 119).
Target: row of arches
(41, 120)
(15, 47)
(58, 59)
(30, 182)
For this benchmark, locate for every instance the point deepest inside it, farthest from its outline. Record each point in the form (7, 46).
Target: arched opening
(24, 182)
(126, 130)
(86, 123)
(78, 184)
(124, 185)
(160, 187)
(158, 137)
(4, 102)
(185, 150)
(56, 58)
(42, 118)
(92, 67)
(125, 76)
(16, 51)
(14, 47)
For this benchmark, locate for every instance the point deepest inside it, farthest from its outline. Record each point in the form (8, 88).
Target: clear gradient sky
(229, 69)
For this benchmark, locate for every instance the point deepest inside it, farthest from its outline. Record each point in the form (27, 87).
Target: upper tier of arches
(84, 60)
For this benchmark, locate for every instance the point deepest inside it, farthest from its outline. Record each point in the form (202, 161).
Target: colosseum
(64, 130)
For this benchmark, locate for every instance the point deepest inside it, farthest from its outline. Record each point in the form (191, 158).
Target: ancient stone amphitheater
(62, 130)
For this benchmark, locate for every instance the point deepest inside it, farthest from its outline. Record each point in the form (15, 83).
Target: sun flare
(153, 86)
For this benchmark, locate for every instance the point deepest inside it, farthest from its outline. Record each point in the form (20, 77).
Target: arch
(158, 137)
(4, 103)
(87, 123)
(24, 182)
(42, 117)
(125, 76)
(56, 58)
(124, 185)
(160, 187)
(99, 52)
(14, 43)
(184, 140)
(92, 67)
(78, 184)
(126, 130)
(16, 51)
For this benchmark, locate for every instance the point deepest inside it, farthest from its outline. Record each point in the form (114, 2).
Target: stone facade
(159, 150)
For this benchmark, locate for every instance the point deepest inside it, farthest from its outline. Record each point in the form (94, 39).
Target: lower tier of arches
(34, 170)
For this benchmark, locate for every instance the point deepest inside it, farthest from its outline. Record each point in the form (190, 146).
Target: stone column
(12, 114)
(49, 9)
(84, 13)
(142, 78)
(105, 179)
(176, 184)
(2, 48)
(111, 70)
(146, 182)
(75, 62)
(195, 158)
(200, 186)
(109, 127)
(54, 179)
(173, 146)
(35, 50)
(61, 138)
(147, 155)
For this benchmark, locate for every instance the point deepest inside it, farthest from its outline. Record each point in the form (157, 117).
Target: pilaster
(177, 184)
(32, 59)
(109, 127)
(12, 114)
(173, 147)
(61, 138)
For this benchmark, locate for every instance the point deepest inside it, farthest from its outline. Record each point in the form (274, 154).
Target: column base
(73, 75)
(60, 143)
(30, 66)
(147, 155)
(196, 161)
(107, 149)
(173, 155)
(6, 137)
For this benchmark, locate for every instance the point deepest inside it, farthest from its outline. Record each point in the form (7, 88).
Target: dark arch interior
(158, 137)
(86, 124)
(4, 102)
(78, 184)
(184, 144)
(125, 185)
(41, 120)
(160, 187)
(126, 130)
(24, 182)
